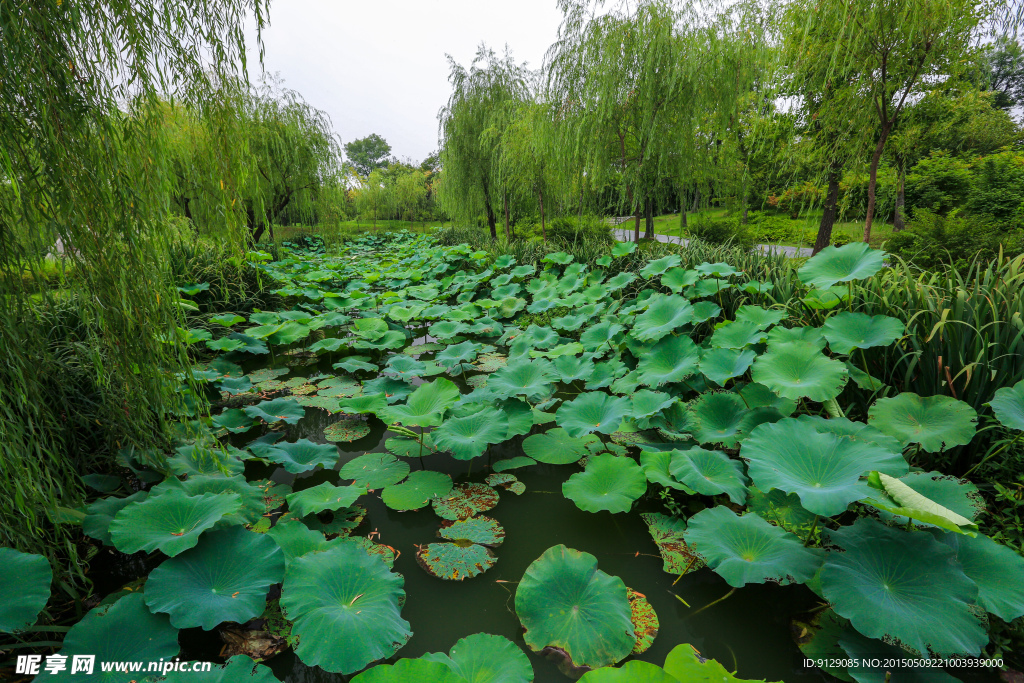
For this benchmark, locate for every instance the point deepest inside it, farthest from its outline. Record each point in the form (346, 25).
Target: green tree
(368, 154)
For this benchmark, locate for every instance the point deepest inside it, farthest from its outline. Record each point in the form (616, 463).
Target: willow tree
(483, 100)
(83, 172)
(530, 163)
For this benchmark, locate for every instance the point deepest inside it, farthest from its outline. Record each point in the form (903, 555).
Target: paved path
(623, 235)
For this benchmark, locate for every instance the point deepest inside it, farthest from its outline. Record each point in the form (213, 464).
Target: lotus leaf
(426, 405)
(781, 509)
(194, 460)
(935, 422)
(478, 529)
(325, 496)
(854, 261)
(409, 671)
(296, 539)
(608, 482)
(623, 248)
(513, 463)
(484, 658)
(375, 470)
(867, 651)
(561, 258)
(565, 601)
(672, 359)
(254, 499)
(288, 333)
(802, 335)
(592, 411)
(1008, 406)
(26, 579)
(858, 431)
(633, 671)
(847, 331)
(417, 491)
(464, 501)
(686, 664)
(738, 335)
(572, 368)
(710, 473)
(274, 411)
(649, 403)
(370, 329)
(468, 437)
(347, 429)
(720, 365)
(408, 448)
(619, 281)
(655, 465)
(676, 279)
(368, 403)
(455, 561)
(355, 363)
(663, 314)
(100, 513)
(659, 266)
(299, 456)
(600, 334)
(227, 319)
(394, 390)
(991, 565)
(796, 371)
(236, 385)
(330, 344)
(238, 669)
(170, 522)
(456, 354)
(668, 534)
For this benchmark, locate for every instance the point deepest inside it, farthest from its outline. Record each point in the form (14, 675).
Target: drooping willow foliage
(85, 173)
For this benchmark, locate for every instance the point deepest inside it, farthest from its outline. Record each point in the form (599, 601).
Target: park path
(624, 235)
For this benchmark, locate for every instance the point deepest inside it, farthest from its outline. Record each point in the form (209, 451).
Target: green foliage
(368, 154)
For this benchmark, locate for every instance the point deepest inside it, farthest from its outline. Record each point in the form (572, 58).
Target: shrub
(572, 229)
(932, 241)
(721, 231)
(998, 187)
(938, 183)
(769, 228)
(796, 199)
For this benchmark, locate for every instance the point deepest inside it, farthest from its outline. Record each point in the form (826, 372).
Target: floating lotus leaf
(592, 411)
(369, 403)
(26, 579)
(781, 509)
(532, 379)
(464, 501)
(193, 460)
(905, 585)
(565, 601)
(1008, 406)
(645, 621)
(738, 335)
(426, 405)
(345, 607)
(455, 561)
(456, 354)
(659, 266)
(748, 549)
(513, 463)
(802, 335)
(417, 491)
(573, 368)
(100, 513)
(570, 349)
(489, 362)
(479, 529)
(935, 422)
(123, 631)
(170, 522)
(375, 470)
(668, 534)
(274, 411)
(710, 473)
(509, 482)
(600, 335)
(540, 337)
(858, 431)
(721, 365)
(409, 671)
(867, 651)
(394, 390)
(557, 447)
(672, 359)
(795, 371)
(298, 456)
(484, 658)
(224, 578)
(991, 566)
(339, 387)
(847, 331)
(325, 496)
(264, 374)
(831, 265)
(609, 482)
(343, 522)
(633, 671)
(825, 470)
(685, 663)
(656, 466)
(468, 437)
(570, 323)
(410, 448)
(664, 314)
(347, 429)
(355, 364)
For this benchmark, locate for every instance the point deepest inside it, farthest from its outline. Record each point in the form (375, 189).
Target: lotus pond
(436, 465)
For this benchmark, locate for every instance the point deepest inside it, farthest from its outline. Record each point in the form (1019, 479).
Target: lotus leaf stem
(714, 602)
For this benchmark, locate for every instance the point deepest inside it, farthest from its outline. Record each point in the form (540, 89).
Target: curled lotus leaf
(375, 470)
(656, 466)
(564, 601)
(989, 564)
(479, 529)
(672, 359)
(722, 417)
(685, 663)
(710, 473)
(645, 621)
(277, 410)
(295, 539)
(831, 265)
(1008, 406)
(796, 371)
(663, 315)
(325, 496)
(935, 422)
(417, 491)
(720, 365)
(405, 367)
(355, 364)
(533, 380)
(170, 522)
(342, 522)
(738, 335)
(298, 456)
(465, 500)
(345, 607)
(100, 513)
(848, 331)
(409, 671)
(668, 534)
(509, 482)
(746, 549)
(426, 404)
(659, 266)
(27, 579)
(484, 658)
(455, 561)
(557, 447)
(592, 411)
(608, 482)
(468, 437)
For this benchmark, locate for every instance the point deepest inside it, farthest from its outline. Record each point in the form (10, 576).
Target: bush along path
(642, 390)
(792, 252)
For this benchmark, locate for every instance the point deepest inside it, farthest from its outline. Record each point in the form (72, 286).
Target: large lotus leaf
(404, 366)
(720, 365)
(782, 509)
(867, 652)
(296, 539)
(328, 344)
(532, 379)
(592, 411)
(298, 456)
(355, 364)
(672, 359)
(609, 482)
(250, 344)
(456, 354)
(123, 631)
(686, 664)
(600, 335)
(659, 266)
(361, 405)
(995, 568)
(325, 496)
(464, 501)
(425, 406)
(289, 333)
(656, 466)
(455, 561)
(557, 447)
(795, 371)
(803, 335)
(935, 422)
(224, 578)
(572, 368)
(722, 417)
(170, 522)
(407, 447)
(346, 429)
(748, 549)
(634, 671)
(392, 339)
(847, 331)
(369, 328)
(906, 585)
(664, 314)
(484, 658)
(100, 513)
(737, 335)
(26, 579)
(669, 535)
(417, 491)
(675, 279)
(375, 470)
(478, 529)
(854, 261)
(759, 316)
(565, 601)
(647, 404)
(274, 411)
(255, 500)
(234, 420)
(394, 390)
(345, 607)
(421, 670)
(759, 396)
(858, 431)
(823, 469)
(194, 460)
(710, 473)
(1008, 406)
(468, 437)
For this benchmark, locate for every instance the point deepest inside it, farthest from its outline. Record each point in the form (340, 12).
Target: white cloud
(380, 67)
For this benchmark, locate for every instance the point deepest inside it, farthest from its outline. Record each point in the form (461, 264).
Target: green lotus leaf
(456, 354)
(345, 607)
(455, 561)
(26, 578)
(465, 500)
(608, 482)
(570, 323)
(668, 534)
(170, 522)
(958, 495)
(255, 500)
(194, 335)
(337, 387)
(737, 335)
(831, 265)
(561, 258)
(686, 664)
(468, 437)
(565, 601)
(333, 319)
(375, 470)
(659, 266)
(781, 509)
(672, 359)
(238, 669)
(513, 463)
(274, 411)
(867, 651)
(484, 658)
(720, 365)
(847, 331)
(1008, 406)
(409, 671)
(825, 470)
(330, 344)
(123, 631)
(354, 364)
(361, 405)
(710, 473)
(858, 431)
(540, 337)
(592, 411)
(227, 319)
(676, 279)
(346, 429)
(394, 390)
(905, 585)
(663, 314)
(533, 380)
(479, 529)
(600, 334)
(908, 498)
(634, 671)
(224, 578)
(570, 349)
(935, 422)
(370, 329)
(489, 362)
(100, 513)
(236, 385)
(557, 447)
(417, 491)
(520, 417)
(425, 406)
(656, 466)
(410, 448)
(722, 417)
(711, 287)
(225, 344)
(299, 456)
(623, 248)
(748, 549)
(572, 368)
(796, 371)
(296, 539)
(762, 317)
(619, 281)
(990, 565)
(193, 460)
(649, 403)
(289, 333)
(802, 335)
(325, 496)
(392, 339)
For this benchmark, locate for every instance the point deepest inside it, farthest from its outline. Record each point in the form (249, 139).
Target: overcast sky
(379, 66)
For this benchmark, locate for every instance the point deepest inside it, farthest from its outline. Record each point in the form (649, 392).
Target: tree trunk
(507, 236)
(636, 224)
(649, 219)
(696, 201)
(682, 209)
(492, 222)
(543, 230)
(898, 222)
(831, 209)
(873, 179)
(743, 200)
